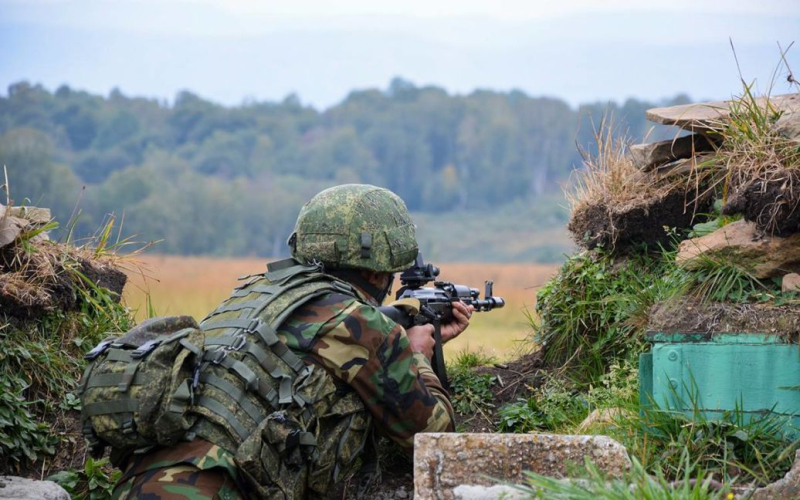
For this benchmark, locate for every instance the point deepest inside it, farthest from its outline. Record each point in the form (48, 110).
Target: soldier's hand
(461, 315)
(421, 339)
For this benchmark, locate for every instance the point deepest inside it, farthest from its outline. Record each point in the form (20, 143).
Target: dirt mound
(644, 222)
(693, 316)
(774, 206)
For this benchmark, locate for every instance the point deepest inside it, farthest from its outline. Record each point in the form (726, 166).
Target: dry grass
(755, 156)
(196, 285)
(609, 176)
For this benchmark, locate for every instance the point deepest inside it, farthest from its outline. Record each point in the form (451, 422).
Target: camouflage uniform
(365, 352)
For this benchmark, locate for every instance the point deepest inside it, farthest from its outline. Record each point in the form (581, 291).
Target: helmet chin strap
(355, 277)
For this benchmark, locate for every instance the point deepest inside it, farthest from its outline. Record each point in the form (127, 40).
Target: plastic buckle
(145, 349)
(98, 350)
(196, 376)
(219, 356)
(253, 326)
(241, 341)
(128, 427)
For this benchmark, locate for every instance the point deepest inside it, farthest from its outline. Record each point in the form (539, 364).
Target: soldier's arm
(372, 354)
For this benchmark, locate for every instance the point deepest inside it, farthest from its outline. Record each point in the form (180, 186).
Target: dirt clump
(773, 205)
(694, 316)
(643, 222)
(46, 277)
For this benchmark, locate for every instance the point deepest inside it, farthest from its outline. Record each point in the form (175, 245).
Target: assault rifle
(419, 305)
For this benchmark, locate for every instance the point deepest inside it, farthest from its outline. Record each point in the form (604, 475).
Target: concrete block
(20, 488)
(444, 461)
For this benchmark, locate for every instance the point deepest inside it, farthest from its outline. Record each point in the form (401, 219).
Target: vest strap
(230, 419)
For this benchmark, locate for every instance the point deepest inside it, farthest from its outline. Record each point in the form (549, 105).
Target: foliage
(715, 221)
(467, 359)
(43, 356)
(560, 405)
(722, 279)
(610, 177)
(730, 445)
(22, 437)
(635, 484)
(471, 391)
(95, 482)
(229, 181)
(593, 311)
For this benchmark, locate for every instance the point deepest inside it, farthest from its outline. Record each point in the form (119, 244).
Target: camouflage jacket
(361, 347)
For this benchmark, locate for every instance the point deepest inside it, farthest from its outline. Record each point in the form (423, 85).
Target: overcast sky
(229, 51)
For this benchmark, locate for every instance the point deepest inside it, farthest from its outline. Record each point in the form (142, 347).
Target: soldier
(284, 413)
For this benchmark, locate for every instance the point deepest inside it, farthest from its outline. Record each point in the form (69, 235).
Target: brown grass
(196, 285)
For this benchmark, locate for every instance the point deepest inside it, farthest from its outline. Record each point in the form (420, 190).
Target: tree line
(211, 179)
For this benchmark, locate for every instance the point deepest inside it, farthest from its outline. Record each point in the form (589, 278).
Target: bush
(471, 391)
(593, 312)
(95, 482)
(22, 437)
(733, 445)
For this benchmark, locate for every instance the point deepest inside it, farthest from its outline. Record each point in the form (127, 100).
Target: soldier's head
(356, 228)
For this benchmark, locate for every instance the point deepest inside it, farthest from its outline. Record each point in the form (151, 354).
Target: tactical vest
(294, 432)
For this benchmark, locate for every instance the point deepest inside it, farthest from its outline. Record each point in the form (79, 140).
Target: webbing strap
(191, 347)
(242, 370)
(229, 418)
(242, 323)
(235, 393)
(223, 340)
(85, 377)
(262, 289)
(119, 355)
(270, 337)
(112, 379)
(238, 306)
(182, 398)
(107, 407)
(129, 374)
(260, 355)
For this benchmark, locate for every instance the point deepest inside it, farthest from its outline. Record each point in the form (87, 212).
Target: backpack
(232, 382)
(137, 388)
(293, 430)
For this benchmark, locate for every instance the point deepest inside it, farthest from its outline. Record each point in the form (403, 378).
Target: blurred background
(204, 125)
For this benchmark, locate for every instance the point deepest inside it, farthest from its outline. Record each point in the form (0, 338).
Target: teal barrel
(755, 373)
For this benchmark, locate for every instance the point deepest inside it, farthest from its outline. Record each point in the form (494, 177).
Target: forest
(206, 179)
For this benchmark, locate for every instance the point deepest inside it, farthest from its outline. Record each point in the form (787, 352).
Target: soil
(642, 223)
(33, 283)
(692, 316)
(774, 206)
(514, 380)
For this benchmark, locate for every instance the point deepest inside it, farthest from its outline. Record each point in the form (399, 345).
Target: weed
(593, 312)
(466, 360)
(21, 436)
(521, 416)
(731, 445)
(471, 391)
(634, 485)
(720, 279)
(95, 482)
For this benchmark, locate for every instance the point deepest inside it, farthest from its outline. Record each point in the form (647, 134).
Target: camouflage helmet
(355, 226)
